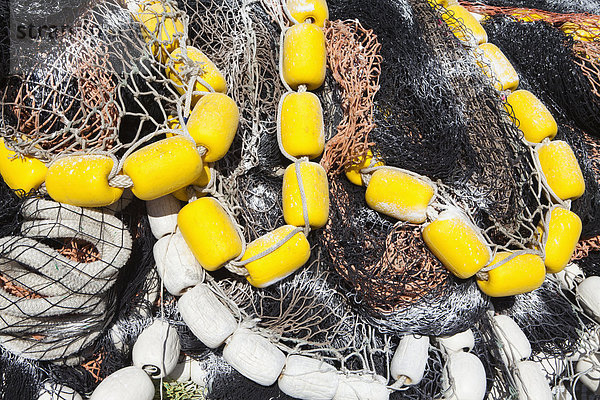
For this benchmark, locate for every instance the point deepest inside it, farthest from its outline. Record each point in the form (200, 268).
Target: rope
(60, 287)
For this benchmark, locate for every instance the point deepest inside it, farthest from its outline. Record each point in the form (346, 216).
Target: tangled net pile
(78, 286)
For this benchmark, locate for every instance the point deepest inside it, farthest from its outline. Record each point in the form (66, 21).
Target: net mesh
(413, 93)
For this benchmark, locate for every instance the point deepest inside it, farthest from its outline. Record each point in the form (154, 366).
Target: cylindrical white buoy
(410, 359)
(254, 356)
(463, 377)
(157, 349)
(130, 383)
(462, 341)
(308, 378)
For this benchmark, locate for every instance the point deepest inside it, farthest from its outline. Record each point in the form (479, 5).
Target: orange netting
(584, 247)
(93, 367)
(354, 60)
(405, 273)
(80, 251)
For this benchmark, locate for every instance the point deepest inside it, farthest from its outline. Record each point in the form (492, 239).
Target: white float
(588, 292)
(462, 341)
(361, 387)
(130, 383)
(570, 276)
(589, 370)
(308, 378)
(254, 356)
(515, 345)
(410, 359)
(157, 349)
(463, 377)
(531, 382)
(176, 264)
(206, 316)
(162, 214)
(182, 371)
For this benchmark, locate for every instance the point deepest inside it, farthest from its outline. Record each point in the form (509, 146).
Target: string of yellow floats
(451, 236)
(180, 163)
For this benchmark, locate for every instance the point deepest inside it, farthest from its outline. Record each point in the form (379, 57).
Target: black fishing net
(548, 69)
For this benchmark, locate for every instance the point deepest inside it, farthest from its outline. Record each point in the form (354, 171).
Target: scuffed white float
(588, 292)
(551, 365)
(130, 383)
(570, 276)
(410, 359)
(589, 370)
(162, 214)
(463, 377)
(54, 391)
(254, 356)
(531, 382)
(308, 378)
(182, 371)
(462, 341)
(198, 374)
(157, 349)
(176, 264)
(560, 392)
(361, 387)
(515, 345)
(206, 316)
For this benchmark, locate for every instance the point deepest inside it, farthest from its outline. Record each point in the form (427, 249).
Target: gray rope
(71, 303)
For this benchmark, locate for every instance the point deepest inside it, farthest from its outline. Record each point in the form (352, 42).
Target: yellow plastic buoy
(209, 232)
(399, 195)
(457, 244)
(353, 172)
(163, 167)
(203, 181)
(82, 181)
(309, 10)
(583, 31)
(302, 128)
(304, 56)
(522, 274)
(21, 173)
(525, 15)
(208, 71)
(316, 190)
(460, 21)
(564, 229)
(436, 3)
(173, 123)
(213, 124)
(281, 262)
(501, 69)
(561, 169)
(531, 115)
(160, 28)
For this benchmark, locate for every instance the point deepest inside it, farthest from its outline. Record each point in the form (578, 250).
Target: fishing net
(398, 83)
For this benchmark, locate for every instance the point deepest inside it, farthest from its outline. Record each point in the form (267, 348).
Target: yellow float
(316, 190)
(282, 261)
(163, 167)
(82, 181)
(400, 195)
(209, 232)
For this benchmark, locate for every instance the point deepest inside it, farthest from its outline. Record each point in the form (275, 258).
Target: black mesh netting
(549, 70)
